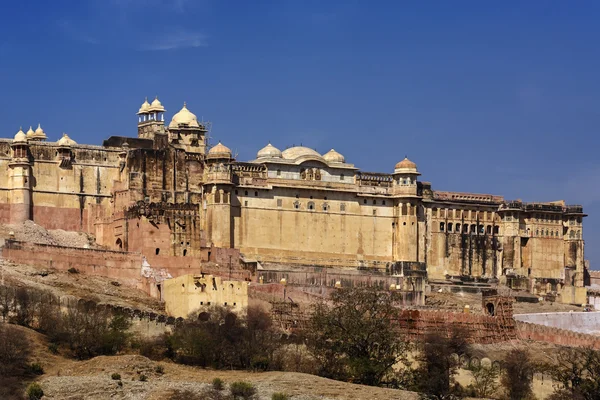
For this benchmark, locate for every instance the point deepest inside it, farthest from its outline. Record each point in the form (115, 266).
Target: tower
(217, 201)
(187, 133)
(151, 119)
(407, 244)
(20, 178)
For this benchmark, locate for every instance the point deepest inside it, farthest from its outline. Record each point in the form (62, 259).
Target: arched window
(481, 229)
(157, 251)
(311, 205)
(441, 227)
(457, 228)
(496, 229)
(341, 177)
(537, 232)
(449, 226)
(342, 207)
(578, 234)
(473, 228)
(297, 205)
(546, 232)
(466, 228)
(119, 244)
(278, 172)
(572, 234)
(489, 229)
(325, 207)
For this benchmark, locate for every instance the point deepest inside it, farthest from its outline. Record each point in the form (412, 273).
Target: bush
(73, 270)
(159, 369)
(242, 390)
(154, 348)
(14, 350)
(36, 369)
(217, 384)
(34, 391)
(53, 348)
(116, 377)
(280, 396)
(143, 378)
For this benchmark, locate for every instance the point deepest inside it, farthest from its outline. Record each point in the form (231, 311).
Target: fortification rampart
(126, 267)
(113, 264)
(561, 337)
(479, 328)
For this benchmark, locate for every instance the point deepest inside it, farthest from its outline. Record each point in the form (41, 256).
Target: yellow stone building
(166, 193)
(187, 294)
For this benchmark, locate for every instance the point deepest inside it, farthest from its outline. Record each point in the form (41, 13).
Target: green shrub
(159, 369)
(143, 378)
(36, 368)
(53, 348)
(280, 396)
(34, 391)
(217, 384)
(242, 390)
(116, 377)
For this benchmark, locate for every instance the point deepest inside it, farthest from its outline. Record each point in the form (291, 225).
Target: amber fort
(166, 194)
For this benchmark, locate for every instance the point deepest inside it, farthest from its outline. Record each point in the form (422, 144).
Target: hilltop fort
(165, 196)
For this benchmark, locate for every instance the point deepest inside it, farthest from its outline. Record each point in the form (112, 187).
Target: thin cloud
(177, 40)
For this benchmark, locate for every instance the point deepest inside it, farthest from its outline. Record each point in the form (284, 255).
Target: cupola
(269, 151)
(406, 167)
(39, 134)
(333, 156)
(184, 119)
(219, 152)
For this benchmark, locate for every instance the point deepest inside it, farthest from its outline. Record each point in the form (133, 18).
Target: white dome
(219, 151)
(144, 107)
(269, 151)
(66, 141)
(156, 106)
(39, 133)
(334, 157)
(299, 151)
(184, 118)
(20, 137)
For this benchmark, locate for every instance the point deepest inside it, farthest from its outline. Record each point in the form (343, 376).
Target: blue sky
(485, 97)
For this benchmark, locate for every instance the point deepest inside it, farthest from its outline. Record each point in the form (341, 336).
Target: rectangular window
(279, 203)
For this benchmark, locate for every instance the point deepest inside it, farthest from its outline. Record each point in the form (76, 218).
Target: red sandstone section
(480, 328)
(68, 219)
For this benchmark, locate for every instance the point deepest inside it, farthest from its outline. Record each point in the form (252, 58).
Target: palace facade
(165, 193)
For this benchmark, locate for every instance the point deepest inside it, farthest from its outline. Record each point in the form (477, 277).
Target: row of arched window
(547, 232)
(472, 229)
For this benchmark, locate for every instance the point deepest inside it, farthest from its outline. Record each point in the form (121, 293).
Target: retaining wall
(582, 322)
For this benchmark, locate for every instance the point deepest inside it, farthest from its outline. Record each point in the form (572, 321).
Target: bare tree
(14, 350)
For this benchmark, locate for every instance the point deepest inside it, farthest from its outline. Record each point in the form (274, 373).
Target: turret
(186, 132)
(151, 119)
(20, 179)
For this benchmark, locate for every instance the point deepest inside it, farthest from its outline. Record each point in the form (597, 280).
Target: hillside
(70, 380)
